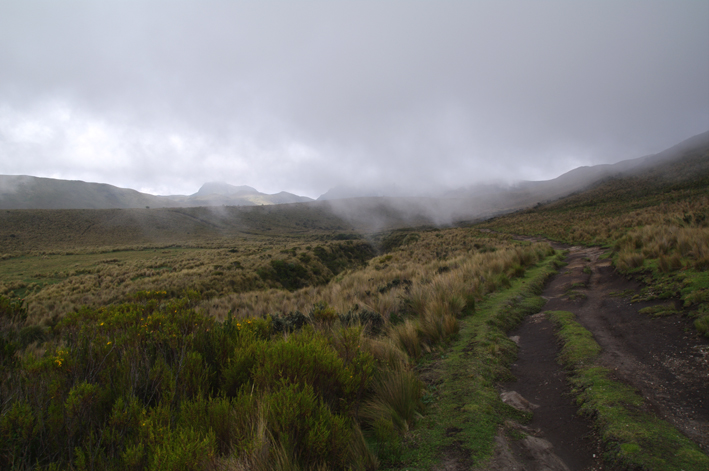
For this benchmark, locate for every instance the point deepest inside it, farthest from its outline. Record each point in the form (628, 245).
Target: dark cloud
(302, 96)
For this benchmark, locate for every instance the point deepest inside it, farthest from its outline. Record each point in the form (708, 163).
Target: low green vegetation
(292, 373)
(637, 438)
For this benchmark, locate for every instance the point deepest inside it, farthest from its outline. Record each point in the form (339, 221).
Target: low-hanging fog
(405, 97)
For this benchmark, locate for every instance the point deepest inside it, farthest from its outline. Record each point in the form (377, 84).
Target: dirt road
(663, 358)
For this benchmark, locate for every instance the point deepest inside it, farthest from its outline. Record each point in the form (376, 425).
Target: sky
(304, 96)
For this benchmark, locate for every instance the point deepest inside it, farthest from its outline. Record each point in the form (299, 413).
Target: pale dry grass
(395, 285)
(668, 244)
(426, 283)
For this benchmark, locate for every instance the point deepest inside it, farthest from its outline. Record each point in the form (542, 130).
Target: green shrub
(229, 419)
(290, 275)
(32, 333)
(399, 238)
(183, 449)
(306, 428)
(12, 310)
(307, 358)
(123, 429)
(323, 313)
(238, 369)
(193, 376)
(84, 410)
(289, 322)
(19, 430)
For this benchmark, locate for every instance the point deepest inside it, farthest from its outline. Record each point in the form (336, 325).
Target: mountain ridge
(30, 192)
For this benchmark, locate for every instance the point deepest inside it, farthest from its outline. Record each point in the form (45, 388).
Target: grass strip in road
(636, 439)
(465, 409)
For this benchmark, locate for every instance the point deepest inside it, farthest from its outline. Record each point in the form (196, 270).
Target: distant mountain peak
(225, 189)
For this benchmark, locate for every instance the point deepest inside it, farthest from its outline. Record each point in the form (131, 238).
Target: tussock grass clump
(436, 327)
(678, 269)
(386, 352)
(396, 400)
(627, 261)
(406, 337)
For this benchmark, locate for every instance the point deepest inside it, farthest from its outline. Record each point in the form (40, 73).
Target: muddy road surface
(662, 357)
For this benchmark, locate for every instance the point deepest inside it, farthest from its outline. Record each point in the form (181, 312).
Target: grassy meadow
(259, 351)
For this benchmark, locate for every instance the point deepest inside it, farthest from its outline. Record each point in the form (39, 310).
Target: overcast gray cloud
(302, 96)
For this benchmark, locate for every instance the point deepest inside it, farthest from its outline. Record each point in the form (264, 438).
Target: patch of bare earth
(663, 358)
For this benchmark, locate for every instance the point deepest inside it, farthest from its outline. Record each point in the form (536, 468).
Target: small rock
(541, 454)
(515, 399)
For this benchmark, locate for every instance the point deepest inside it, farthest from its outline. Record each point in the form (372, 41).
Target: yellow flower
(109, 343)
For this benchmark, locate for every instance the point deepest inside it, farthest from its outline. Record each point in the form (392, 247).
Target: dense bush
(156, 385)
(13, 335)
(338, 257)
(289, 322)
(290, 275)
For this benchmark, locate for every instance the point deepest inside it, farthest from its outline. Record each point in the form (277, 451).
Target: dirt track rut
(663, 358)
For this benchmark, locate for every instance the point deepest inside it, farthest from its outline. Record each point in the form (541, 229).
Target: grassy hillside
(673, 193)
(24, 192)
(27, 192)
(657, 223)
(22, 231)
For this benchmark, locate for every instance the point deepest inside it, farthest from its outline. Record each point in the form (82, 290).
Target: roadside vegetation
(465, 411)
